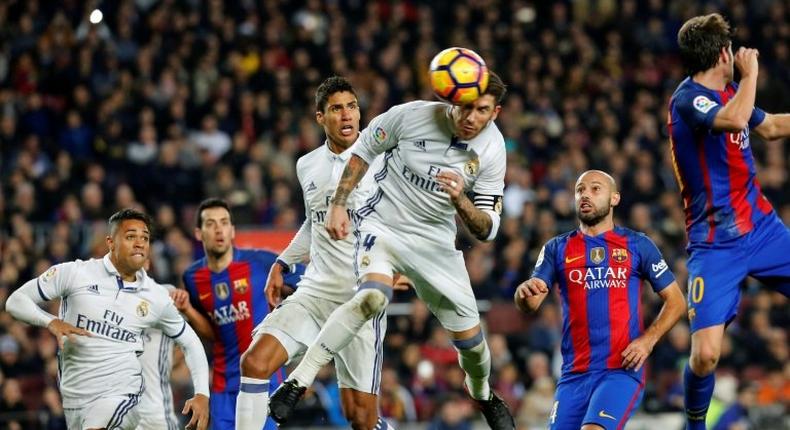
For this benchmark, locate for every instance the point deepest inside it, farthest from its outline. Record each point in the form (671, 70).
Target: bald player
(599, 269)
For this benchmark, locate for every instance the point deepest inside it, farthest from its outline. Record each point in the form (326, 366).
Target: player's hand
(530, 288)
(636, 353)
(61, 329)
(452, 184)
(401, 283)
(274, 285)
(198, 405)
(181, 300)
(746, 61)
(337, 222)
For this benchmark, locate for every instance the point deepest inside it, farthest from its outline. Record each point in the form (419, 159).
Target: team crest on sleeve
(380, 135)
(472, 167)
(49, 274)
(142, 309)
(365, 261)
(222, 291)
(541, 256)
(240, 286)
(704, 104)
(619, 254)
(597, 255)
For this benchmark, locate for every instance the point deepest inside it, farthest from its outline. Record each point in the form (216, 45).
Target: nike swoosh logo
(569, 260)
(603, 414)
(203, 296)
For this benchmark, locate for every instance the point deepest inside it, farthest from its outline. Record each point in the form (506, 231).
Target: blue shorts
(607, 398)
(716, 271)
(223, 412)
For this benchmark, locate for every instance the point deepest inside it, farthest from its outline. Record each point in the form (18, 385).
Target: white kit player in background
(434, 154)
(106, 304)
(328, 281)
(156, 404)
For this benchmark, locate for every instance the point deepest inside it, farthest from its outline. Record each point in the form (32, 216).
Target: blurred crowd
(164, 103)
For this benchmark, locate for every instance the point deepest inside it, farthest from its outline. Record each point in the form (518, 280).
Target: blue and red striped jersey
(600, 279)
(235, 302)
(715, 170)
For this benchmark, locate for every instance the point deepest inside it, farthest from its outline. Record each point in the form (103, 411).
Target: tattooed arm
(481, 217)
(478, 221)
(352, 174)
(337, 222)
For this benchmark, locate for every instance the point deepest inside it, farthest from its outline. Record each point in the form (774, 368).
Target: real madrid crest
(597, 255)
(142, 309)
(365, 261)
(472, 167)
(222, 290)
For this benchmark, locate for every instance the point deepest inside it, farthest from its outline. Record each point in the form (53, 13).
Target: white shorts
(438, 274)
(111, 412)
(295, 323)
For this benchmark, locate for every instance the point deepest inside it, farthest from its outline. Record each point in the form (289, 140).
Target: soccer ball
(458, 75)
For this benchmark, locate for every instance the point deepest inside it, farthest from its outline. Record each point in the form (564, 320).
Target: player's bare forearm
(199, 323)
(478, 222)
(354, 171)
(775, 126)
(673, 308)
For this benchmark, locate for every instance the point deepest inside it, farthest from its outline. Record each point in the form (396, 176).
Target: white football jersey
(418, 141)
(330, 273)
(95, 298)
(156, 404)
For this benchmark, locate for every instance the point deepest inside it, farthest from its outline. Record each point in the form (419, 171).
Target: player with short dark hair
(733, 230)
(224, 300)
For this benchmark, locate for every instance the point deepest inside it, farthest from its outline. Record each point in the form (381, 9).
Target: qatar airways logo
(231, 313)
(740, 138)
(594, 278)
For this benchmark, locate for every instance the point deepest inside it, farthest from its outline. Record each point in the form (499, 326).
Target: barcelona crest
(240, 285)
(597, 254)
(619, 255)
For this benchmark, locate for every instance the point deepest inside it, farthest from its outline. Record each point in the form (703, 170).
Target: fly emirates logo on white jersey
(425, 182)
(594, 278)
(109, 327)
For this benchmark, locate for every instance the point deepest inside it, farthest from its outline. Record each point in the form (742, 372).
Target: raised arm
(734, 116)
(774, 126)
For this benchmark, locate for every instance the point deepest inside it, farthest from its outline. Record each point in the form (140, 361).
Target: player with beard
(599, 270)
(224, 299)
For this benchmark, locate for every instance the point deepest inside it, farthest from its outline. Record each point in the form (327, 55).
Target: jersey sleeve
(170, 320)
(546, 263)
(491, 181)
(292, 278)
(697, 108)
(193, 294)
(381, 134)
(56, 281)
(653, 267)
(757, 118)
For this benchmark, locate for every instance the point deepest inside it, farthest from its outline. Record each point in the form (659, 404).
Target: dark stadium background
(164, 103)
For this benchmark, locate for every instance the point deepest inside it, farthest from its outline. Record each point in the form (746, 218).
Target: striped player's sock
(382, 424)
(698, 392)
(252, 403)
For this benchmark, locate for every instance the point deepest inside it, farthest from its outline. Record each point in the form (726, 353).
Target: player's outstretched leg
(339, 329)
(475, 359)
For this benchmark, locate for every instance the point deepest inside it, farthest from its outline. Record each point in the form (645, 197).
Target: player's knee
(253, 366)
(371, 301)
(703, 360)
